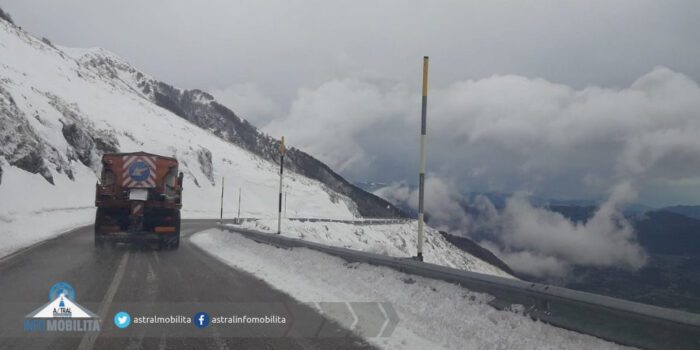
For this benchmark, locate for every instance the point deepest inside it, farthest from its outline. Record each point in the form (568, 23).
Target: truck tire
(169, 242)
(172, 241)
(176, 242)
(99, 241)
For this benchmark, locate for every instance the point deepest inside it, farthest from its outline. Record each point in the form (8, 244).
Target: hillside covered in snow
(62, 108)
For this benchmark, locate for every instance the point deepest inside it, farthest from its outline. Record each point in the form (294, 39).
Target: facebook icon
(201, 319)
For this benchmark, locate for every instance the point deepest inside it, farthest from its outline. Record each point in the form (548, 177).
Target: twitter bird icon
(122, 319)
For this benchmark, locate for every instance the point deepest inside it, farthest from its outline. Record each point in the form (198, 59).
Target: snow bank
(397, 240)
(432, 314)
(28, 215)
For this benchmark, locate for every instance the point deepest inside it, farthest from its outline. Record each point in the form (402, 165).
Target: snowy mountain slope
(203, 110)
(58, 115)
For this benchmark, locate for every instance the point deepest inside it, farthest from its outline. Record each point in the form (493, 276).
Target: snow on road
(397, 240)
(432, 314)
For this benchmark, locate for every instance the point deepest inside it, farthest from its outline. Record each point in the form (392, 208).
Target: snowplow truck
(138, 199)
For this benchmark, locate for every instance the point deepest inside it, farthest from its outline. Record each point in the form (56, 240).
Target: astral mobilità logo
(61, 313)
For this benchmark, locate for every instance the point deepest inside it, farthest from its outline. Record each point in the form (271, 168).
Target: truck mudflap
(168, 238)
(128, 237)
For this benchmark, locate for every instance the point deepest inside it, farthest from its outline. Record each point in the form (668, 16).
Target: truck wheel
(99, 241)
(169, 242)
(176, 239)
(172, 240)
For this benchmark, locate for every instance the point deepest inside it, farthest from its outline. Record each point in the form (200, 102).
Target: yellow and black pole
(283, 150)
(421, 174)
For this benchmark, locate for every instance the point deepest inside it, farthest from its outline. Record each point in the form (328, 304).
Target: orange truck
(138, 199)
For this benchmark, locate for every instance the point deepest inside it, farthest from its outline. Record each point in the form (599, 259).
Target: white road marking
(386, 318)
(354, 316)
(88, 341)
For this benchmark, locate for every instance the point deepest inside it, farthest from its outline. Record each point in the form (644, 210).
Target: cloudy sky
(564, 99)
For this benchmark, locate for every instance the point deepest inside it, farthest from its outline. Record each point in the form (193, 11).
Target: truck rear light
(164, 229)
(109, 228)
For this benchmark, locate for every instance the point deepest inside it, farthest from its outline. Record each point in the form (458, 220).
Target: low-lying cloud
(248, 100)
(530, 239)
(541, 242)
(509, 133)
(444, 204)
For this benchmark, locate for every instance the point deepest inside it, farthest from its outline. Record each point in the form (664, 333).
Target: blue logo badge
(61, 288)
(62, 313)
(122, 319)
(139, 171)
(201, 319)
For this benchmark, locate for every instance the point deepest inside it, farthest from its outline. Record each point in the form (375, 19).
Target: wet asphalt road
(145, 281)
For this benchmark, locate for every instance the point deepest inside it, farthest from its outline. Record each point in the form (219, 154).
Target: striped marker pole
(283, 150)
(421, 174)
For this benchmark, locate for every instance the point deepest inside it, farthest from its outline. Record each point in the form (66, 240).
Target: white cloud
(531, 239)
(530, 263)
(443, 202)
(606, 239)
(509, 133)
(330, 121)
(400, 193)
(248, 102)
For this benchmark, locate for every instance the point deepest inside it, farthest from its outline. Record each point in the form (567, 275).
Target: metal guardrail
(616, 320)
(359, 222)
(354, 222)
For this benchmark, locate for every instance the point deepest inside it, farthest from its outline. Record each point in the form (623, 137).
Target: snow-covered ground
(432, 314)
(397, 240)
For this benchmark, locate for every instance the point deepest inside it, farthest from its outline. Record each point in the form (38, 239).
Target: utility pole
(283, 150)
(421, 174)
(221, 213)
